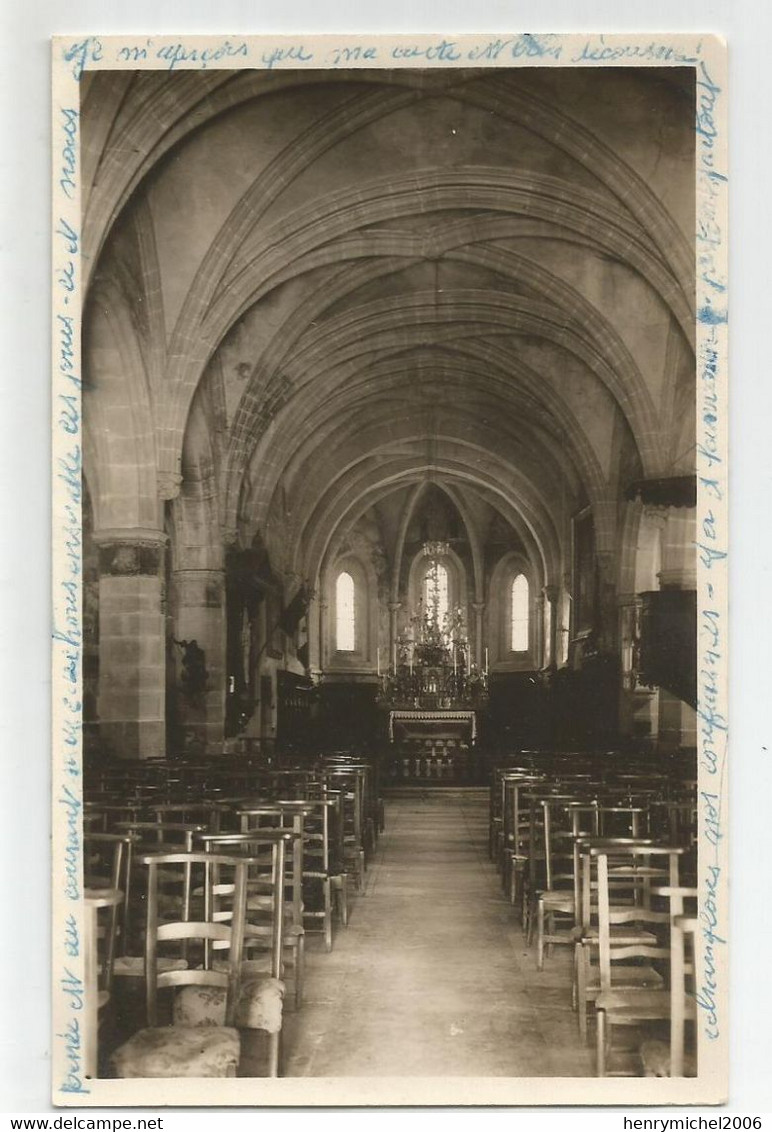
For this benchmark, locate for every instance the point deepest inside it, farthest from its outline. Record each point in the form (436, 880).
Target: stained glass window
(435, 594)
(519, 624)
(345, 625)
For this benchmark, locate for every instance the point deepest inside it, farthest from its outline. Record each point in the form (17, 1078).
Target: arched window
(436, 594)
(345, 615)
(519, 614)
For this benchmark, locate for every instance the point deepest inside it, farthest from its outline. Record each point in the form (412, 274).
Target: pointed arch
(519, 613)
(345, 613)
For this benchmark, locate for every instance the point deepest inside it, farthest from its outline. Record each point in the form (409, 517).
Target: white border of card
(72, 56)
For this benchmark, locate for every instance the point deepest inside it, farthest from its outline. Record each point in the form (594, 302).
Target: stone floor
(432, 976)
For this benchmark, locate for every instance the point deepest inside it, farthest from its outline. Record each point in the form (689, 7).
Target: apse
(389, 567)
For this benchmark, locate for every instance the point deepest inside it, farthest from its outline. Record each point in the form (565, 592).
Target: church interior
(389, 572)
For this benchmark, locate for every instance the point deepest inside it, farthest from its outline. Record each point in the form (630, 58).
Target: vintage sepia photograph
(397, 751)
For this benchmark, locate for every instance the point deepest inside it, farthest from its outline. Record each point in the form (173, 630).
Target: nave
(433, 977)
(310, 923)
(389, 507)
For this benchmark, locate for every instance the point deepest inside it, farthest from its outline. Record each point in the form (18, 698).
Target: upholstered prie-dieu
(179, 1051)
(259, 1005)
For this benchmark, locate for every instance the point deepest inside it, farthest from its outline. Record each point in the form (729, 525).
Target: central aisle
(432, 977)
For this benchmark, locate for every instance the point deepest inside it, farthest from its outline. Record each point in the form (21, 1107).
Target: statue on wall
(193, 678)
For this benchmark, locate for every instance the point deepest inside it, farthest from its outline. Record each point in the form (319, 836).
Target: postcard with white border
(390, 553)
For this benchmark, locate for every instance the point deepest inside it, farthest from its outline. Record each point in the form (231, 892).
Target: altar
(409, 723)
(435, 686)
(431, 745)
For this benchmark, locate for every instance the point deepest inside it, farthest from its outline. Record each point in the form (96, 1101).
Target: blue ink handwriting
(176, 53)
(82, 53)
(67, 181)
(295, 54)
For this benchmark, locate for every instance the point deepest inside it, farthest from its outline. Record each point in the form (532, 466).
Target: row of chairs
(599, 855)
(165, 875)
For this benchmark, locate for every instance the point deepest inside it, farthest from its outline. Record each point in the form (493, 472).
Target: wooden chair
(266, 854)
(673, 1058)
(155, 837)
(336, 852)
(675, 820)
(618, 1004)
(98, 969)
(515, 833)
(629, 883)
(684, 930)
(372, 819)
(560, 898)
(497, 804)
(622, 817)
(351, 782)
(197, 1048)
(102, 815)
(272, 816)
(189, 813)
(107, 865)
(317, 875)
(535, 875)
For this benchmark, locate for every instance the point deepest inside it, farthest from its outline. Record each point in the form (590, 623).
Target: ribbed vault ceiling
(390, 278)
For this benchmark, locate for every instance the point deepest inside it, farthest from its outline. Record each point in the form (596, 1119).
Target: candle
(378, 660)
(486, 660)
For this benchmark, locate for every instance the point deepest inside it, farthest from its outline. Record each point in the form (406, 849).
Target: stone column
(607, 605)
(551, 595)
(132, 646)
(479, 610)
(629, 614)
(677, 720)
(638, 705)
(324, 632)
(651, 535)
(679, 555)
(564, 612)
(199, 605)
(314, 636)
(540, 635)
(394, 608)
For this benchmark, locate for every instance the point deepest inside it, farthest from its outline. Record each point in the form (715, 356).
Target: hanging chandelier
(433, 666)
(436, 549)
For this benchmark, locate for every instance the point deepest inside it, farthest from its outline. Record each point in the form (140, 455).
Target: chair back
(107, 865)
(682, 903)
(193, 935)
(266, 853)
(287, 817)
(97, 990)
(633, 944)
(564, 821)
(682, 965)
